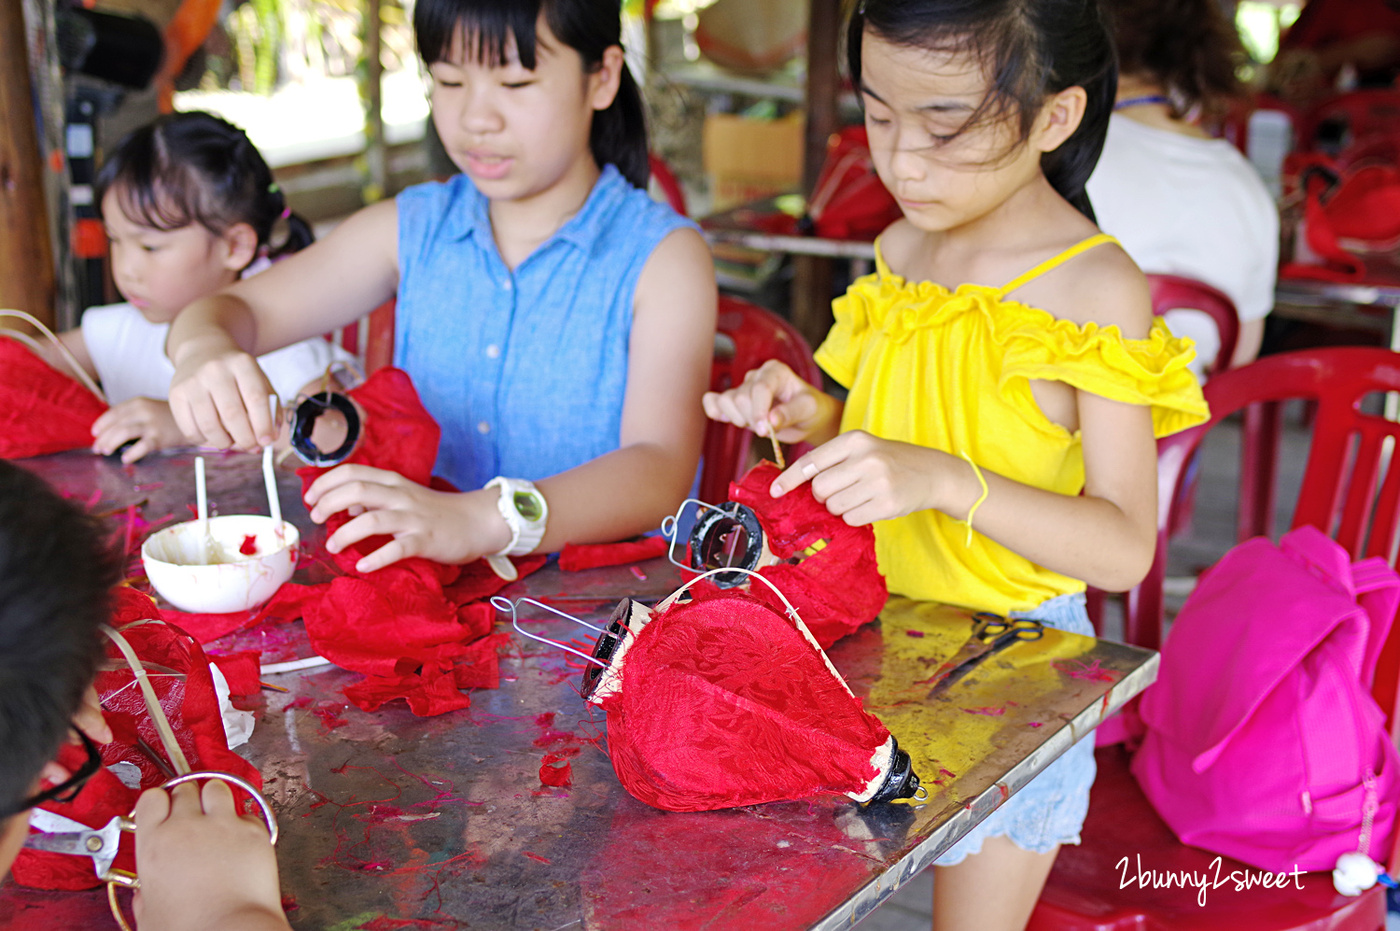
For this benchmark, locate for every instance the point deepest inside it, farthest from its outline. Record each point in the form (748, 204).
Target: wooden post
(26, 258)
(811, 286)
(376, 153)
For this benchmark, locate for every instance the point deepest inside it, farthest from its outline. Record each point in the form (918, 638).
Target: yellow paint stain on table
(1001, 693)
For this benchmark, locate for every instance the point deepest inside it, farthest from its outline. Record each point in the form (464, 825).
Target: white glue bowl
(225, 579)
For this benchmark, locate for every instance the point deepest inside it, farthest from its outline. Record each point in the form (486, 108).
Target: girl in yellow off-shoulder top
(977, 414)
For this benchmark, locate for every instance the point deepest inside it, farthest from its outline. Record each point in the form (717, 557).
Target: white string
(68, 357)
(800, 624)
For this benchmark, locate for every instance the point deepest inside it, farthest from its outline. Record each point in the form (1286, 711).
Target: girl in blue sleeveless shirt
(555, 320)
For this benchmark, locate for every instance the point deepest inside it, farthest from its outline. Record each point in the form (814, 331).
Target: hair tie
(273, 188)
(286, 213)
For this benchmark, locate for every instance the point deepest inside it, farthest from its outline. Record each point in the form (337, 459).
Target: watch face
(528, 505)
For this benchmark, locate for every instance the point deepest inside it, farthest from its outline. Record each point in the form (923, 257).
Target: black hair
(1030, 49)
(589, 27)
(194, 167)
(1190, 47)
(56, 576)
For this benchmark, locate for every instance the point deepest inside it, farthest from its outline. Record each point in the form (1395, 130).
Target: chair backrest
(746, 336)
(1358, 114)
(665, 179)
(1173, 292)
(1351, 481)
(369, 339)
(1234, 127)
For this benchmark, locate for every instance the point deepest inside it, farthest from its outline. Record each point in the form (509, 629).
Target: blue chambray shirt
(525, 371)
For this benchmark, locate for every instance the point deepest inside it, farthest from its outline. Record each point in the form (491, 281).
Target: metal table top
(391, 821)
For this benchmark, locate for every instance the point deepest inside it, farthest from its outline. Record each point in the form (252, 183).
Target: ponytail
(619, 134)
(297, 235)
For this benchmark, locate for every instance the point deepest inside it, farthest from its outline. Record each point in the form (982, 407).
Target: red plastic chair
(1173, 292)
(370, 339)
(1351, 489)
(746, 337)
(665, 179)
(1365, 113)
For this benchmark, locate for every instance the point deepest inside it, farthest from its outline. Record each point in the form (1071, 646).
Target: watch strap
(526, 530)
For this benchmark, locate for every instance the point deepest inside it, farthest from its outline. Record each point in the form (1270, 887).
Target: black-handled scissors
(990, 634)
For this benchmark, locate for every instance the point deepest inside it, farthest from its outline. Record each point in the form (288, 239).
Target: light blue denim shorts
(1050, 809)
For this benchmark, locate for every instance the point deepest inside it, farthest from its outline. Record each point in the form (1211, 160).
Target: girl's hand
(446, 527)
(773, 399)
(145, 420)
(862, 478)
(202, 865)
(219, 399)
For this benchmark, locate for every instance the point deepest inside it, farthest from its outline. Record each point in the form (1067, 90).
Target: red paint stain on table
(535, 856)
(1091, 672)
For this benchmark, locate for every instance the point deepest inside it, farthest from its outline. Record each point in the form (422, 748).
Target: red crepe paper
(415, 627)
(42, 410)
(480, 666)
(556, 771)
(724, 702)
(242, 671)
(430, 690)
(209, 627)
(837, 589)
(190, 704)
(577, 558)
(399, 435)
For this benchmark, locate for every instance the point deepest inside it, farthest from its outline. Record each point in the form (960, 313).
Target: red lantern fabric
(42, 410)
(241, 670)
(724, 701)
(838, 587)
(577, 558)
(189, 702)
(415, 628)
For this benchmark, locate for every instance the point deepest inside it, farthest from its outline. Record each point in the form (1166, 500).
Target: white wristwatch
(525, 512)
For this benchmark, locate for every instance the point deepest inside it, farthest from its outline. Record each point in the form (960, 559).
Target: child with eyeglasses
(202, 865)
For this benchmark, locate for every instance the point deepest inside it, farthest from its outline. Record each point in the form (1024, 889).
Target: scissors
(991, 633)
(58, 834)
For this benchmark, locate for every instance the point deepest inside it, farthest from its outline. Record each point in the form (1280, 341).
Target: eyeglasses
(66, 790)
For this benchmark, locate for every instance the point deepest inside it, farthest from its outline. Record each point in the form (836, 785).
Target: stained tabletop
(395, 821)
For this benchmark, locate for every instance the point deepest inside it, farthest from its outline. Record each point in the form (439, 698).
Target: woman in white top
(1179, 201)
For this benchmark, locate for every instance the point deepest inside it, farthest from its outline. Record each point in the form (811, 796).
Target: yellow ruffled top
(951, 370)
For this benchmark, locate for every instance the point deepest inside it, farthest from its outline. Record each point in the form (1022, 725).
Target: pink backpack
(1263, 741)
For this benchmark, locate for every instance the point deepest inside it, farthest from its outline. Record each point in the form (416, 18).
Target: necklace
(1141, 101)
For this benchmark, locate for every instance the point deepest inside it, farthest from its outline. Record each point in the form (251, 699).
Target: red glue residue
(250, 545)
